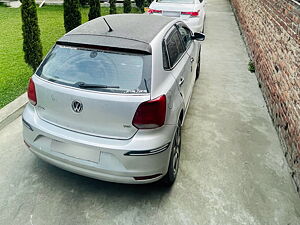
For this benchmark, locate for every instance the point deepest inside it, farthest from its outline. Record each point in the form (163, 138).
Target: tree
(32, 45)
(112, 7)
(72, 16)
(148, 2)
(140, 5)
(95, 9)
(83, 3)
(127, 6)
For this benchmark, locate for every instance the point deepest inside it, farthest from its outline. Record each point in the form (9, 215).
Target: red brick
(272, 32)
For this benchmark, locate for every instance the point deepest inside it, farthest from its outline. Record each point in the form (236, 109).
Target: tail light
(151, 11)
(191, 13)
(150, 114)
(31, 92)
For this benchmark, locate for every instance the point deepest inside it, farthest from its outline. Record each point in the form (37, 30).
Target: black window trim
(168, 58)
(169, 32)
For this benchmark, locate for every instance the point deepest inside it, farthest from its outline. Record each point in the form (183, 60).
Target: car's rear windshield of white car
(97, 70)
(176, 1)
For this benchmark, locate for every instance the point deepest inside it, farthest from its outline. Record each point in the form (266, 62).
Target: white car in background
(192, 12)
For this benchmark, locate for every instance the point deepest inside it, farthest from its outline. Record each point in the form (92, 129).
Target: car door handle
(181, 81)
(192, 59)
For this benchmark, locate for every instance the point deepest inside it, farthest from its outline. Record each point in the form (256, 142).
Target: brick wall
(271, 29)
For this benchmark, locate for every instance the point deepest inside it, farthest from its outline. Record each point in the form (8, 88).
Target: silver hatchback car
(109, 99)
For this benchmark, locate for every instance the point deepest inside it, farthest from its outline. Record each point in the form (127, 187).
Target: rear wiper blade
(84, 85)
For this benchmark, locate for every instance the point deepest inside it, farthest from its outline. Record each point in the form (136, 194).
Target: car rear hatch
(90, 91)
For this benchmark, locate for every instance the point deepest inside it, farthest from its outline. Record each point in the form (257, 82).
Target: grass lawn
(14, 72)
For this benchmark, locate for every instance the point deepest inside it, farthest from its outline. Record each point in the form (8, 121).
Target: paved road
(232, 167)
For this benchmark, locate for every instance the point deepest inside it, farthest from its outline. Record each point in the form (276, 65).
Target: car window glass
(68, 66)
(165, 56)
(174, 47)
(185, 35)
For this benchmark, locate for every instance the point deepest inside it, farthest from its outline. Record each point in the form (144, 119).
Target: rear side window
(122, 72)
(165, 56)
(174, 47)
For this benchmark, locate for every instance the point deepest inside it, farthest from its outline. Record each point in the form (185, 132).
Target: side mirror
(198, 36)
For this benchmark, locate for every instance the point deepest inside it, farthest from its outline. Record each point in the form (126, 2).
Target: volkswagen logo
(77, 106)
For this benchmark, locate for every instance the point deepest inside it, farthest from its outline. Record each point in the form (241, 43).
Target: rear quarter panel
(163, 82)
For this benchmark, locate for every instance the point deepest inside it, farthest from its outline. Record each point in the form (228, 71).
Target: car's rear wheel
(198, 65)
(170, 177)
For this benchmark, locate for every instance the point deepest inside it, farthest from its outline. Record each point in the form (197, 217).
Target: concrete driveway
(232, 168)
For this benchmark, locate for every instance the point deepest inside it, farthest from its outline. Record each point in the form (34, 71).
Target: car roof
(130, 31)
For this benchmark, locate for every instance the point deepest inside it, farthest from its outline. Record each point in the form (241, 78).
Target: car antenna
(109, 27)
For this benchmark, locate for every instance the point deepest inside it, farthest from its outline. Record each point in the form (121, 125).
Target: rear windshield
(176, 1)
(97, 70)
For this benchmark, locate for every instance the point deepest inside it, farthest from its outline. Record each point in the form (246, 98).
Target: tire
(198, 65)
(173, 168)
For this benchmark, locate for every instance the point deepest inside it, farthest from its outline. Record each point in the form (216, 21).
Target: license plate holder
(171, 13)
(76, 151)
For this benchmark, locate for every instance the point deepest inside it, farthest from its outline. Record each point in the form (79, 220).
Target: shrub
(127, 6)
(112, 7)
(32, 45)
(95, 9)
(251, 67)
(140, 5)
(83, 3)
(147, 3)
(72, 16)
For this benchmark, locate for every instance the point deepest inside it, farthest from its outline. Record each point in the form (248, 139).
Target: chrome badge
(77, 106)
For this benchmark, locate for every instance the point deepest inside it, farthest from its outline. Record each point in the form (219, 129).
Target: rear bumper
(100, 158)
(196, 24)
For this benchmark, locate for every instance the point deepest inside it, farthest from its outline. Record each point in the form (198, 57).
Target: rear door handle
(181, 81)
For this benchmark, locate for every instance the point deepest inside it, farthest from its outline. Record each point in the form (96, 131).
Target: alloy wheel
(176, 150)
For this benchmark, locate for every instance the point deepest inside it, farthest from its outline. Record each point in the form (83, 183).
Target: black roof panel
(132, 31)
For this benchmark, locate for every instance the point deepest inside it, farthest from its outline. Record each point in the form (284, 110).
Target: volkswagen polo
(109, 99)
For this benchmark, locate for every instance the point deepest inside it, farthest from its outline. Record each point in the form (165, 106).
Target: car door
(178, 61)
(191, 51)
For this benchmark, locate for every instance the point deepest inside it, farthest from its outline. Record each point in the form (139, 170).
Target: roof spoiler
(105, 48)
